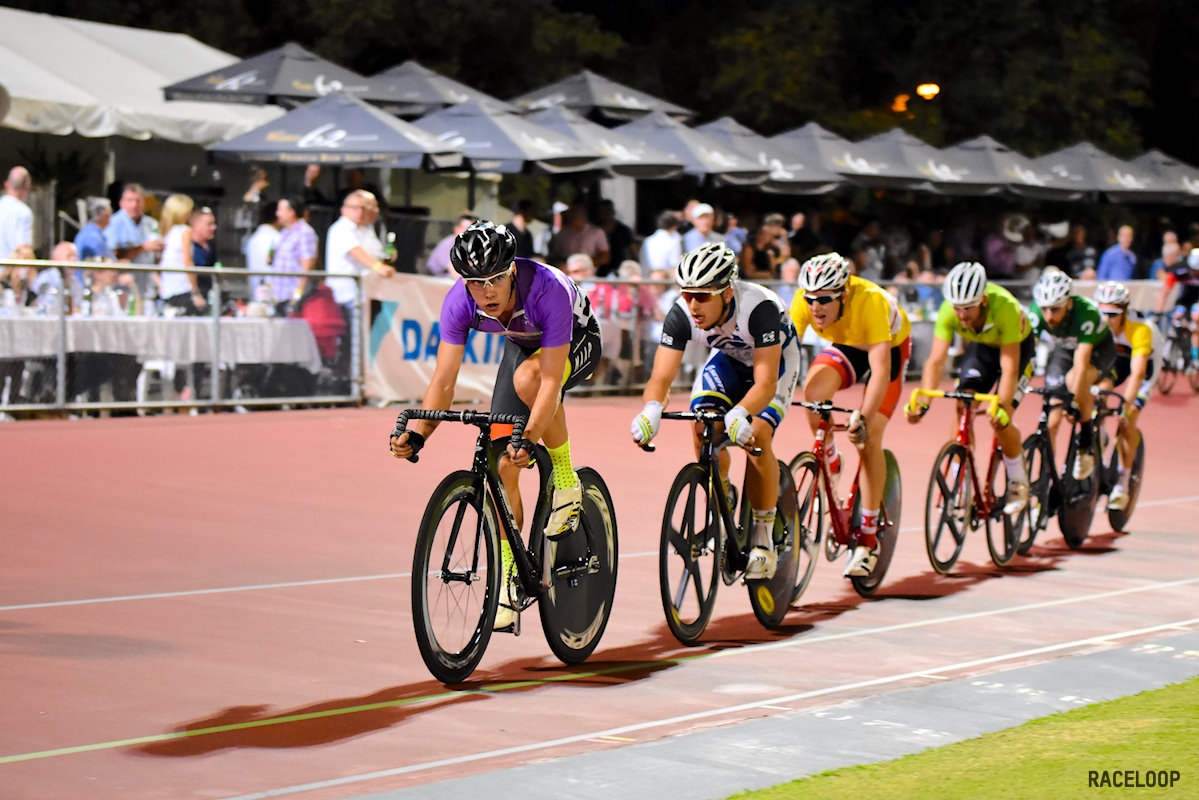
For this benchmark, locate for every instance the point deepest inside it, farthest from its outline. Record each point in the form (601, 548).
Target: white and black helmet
(966, 284)
(1113, 293)
(824, 273)
(1053, 288)
(709, 266)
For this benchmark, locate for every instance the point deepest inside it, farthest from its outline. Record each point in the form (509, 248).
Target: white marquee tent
(71, 76)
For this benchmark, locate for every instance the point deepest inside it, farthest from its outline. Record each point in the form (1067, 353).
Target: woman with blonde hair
(178, 289)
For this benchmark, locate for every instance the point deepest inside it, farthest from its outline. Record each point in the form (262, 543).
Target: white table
(186, 340)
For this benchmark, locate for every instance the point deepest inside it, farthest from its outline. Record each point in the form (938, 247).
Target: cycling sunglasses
(821, 300)
(483, 283)
(699, 296)
(1109, 313)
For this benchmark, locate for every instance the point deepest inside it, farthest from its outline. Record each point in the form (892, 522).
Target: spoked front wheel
(949, 506)
(771, 598)
(1169, 367)
(1003, 532)
(888, 530)
(455, 583)
(810, 515)
(689, 554)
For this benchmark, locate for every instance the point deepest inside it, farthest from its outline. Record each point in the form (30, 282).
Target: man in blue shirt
(1118, 262)
(90, 240)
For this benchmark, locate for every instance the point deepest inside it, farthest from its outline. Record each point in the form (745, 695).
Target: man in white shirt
(260, 247)
(16, 218)
(663, 249)
(350, 250)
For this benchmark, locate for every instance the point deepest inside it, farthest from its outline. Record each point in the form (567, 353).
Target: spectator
(1170, 262)
(869, 251)
(1075, 257)
(90, 241)
(313, 196)
(1118, 262)
(203, 225)
(789, 275)
(663, 249)
(999, 252)
(260, 248)
(803, 240)
(351, 250)
(16, 218)
(179, 289)
(579, 236)
(438, 262)
(133, 235)
(297, 250)
(703, 218)
(521, 220)
(1030, 252)
(619, 237)
(734, 234)
(765, 250)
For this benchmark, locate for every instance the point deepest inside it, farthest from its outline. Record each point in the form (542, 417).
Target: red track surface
(144, 603)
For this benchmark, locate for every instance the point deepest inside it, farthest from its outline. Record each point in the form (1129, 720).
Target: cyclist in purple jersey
(553, 343)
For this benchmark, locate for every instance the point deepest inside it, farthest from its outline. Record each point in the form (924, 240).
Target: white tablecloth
(185, 340)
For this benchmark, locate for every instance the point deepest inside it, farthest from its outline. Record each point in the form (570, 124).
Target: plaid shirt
(295, 243)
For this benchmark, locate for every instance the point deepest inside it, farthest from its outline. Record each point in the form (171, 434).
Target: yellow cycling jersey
(1137, 337)
(869, 315)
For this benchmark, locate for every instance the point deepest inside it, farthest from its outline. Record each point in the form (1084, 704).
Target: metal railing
(90, 342)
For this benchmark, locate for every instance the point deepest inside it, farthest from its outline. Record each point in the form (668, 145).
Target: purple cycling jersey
(548, 309)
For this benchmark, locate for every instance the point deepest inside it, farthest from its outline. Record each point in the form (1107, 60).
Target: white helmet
(709, 266)
(1112, 292)
(966, 284)
(823, 273)
(1053, 288)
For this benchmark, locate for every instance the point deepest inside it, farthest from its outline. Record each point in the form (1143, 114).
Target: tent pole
(470, 190)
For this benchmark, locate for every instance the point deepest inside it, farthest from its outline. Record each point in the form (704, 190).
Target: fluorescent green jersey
(1005, 321)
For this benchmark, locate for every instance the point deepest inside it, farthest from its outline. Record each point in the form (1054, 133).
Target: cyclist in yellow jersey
(1138, 350)
(871, 343)
(1000, 348)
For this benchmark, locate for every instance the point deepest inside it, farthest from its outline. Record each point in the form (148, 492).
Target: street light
(928, 90)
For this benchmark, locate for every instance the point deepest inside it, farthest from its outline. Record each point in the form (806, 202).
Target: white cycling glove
(738, 426)
(645, 425)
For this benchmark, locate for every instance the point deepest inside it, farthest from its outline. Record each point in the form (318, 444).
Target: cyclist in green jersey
(1084, 351)
(999, 348)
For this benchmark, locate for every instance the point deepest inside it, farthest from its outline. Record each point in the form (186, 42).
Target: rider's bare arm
(667, 362)
(1137, 368)
(1081, 389)
(1009, 373)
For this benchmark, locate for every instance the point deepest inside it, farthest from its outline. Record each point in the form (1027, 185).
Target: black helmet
(483, 249)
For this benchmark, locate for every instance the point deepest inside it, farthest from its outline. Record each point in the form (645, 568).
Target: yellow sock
(564, 471)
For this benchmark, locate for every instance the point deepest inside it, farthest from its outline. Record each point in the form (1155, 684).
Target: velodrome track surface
(217, 607)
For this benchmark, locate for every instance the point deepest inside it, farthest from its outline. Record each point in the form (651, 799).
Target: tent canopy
(788, 173)
(421, 90)
(623, 155)
(71, 76)
(702, 155)
(1086, 168)
(341, 130)
(589, 93)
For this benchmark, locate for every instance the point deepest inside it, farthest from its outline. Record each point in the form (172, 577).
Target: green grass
(1046, 758)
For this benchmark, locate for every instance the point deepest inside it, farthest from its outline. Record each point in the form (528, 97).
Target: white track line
(759, 704)
(389, 576)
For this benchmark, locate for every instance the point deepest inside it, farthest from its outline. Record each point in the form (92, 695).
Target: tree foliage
(1035, 76)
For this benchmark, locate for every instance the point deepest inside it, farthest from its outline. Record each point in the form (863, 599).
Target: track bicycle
(456, 569)
(702, 544)
(1052, 493)
(1110, 405)
(1176, 355)
(958, 501)
(816, 491)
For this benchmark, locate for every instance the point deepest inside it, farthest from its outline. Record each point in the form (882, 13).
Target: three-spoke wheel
(455, 587)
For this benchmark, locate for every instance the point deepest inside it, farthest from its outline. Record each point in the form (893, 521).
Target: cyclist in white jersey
(750, 375)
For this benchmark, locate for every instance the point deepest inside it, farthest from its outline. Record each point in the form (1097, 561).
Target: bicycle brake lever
(648, 447)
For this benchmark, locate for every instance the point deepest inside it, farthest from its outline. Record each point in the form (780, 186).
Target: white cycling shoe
(1084, 466)
(861, 561)
(564, 514)
(763, 561)
(1118, 499)
(1017, 498)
